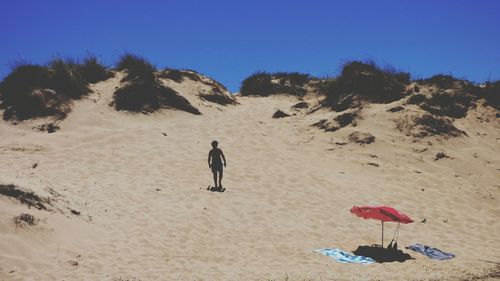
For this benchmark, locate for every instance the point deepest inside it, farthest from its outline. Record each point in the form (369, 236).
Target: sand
(140, 183)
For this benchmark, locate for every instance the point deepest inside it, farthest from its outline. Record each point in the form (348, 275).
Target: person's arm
(209, 156)
(223, 158)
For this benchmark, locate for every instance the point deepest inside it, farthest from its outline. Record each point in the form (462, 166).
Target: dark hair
(215, 143)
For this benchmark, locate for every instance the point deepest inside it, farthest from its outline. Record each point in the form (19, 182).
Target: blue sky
(231, 39)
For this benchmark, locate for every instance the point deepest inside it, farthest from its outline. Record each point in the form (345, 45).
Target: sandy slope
(146, 213)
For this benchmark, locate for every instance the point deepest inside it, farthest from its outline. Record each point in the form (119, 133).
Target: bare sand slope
(140, 183)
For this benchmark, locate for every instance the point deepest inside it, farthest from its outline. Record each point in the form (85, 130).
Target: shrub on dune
(292, 78)
(425, 125)
(364, 81)
(280, 114)
(453, 104)
(217, 96)
(490, 92)
(215, 84)
(32, 91)
(361, 138)
(92, 70)
(143, 97)
(22, 79)
(179, 75)
(442, 81)
(136, 67)
(416, 99)
(340, 121)
(266, 84)
(258, 84)
(38, 103)
(348, 118)
(142, 92)
(172, 74)
(27, 93)
(66, 80)
(218, 92)
(432, 125)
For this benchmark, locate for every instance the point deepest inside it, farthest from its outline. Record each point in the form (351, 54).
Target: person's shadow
(216, 189)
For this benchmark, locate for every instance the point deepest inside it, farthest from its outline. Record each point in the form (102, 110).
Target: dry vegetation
(361, 138)
(428, 125)
(25, 197)
(25, 220)
(280, 114)
(364, 81)
(32, 91)
(143, 92)
(218, 93)
(443, 99)
(338, 122)
(267, 84)
(454, 103)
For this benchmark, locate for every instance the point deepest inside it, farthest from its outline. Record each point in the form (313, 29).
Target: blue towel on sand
(432, 253)
(344, 257)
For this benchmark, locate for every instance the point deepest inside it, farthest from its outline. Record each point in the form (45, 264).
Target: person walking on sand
(215, 164)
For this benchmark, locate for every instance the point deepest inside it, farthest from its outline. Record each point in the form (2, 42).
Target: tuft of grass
(179, 75)
(22, 80)
(137, 68)
(92, 70)
(426, 125)
(361, 138)
(348, 118)
(143, 92)
(26, 93)
(48, 127)
(455, 105)
(300, 105)
(451, 103)
(266, 84)
(25, 197)
(364, 81)
(258, 84)
(292, 78)
(140, 96)
(25, 220)
(442, 81)
(490, 92)
(32, 91)
(416, 99)
(172, 74)
(432, 126)
(217, 96)
(280, 114)
(341, 121)
(65, 78)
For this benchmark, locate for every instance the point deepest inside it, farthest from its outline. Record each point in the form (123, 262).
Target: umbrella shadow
(216, 189)
(382, 255)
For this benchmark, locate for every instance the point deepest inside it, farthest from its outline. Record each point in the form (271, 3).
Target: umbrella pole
(382, 234)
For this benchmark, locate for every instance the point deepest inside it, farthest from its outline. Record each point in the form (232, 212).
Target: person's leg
(220, 178)
(215, 177)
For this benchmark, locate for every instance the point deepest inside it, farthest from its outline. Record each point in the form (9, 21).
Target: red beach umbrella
(381, 213)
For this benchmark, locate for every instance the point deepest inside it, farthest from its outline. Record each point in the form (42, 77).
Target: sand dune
(140, 185)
